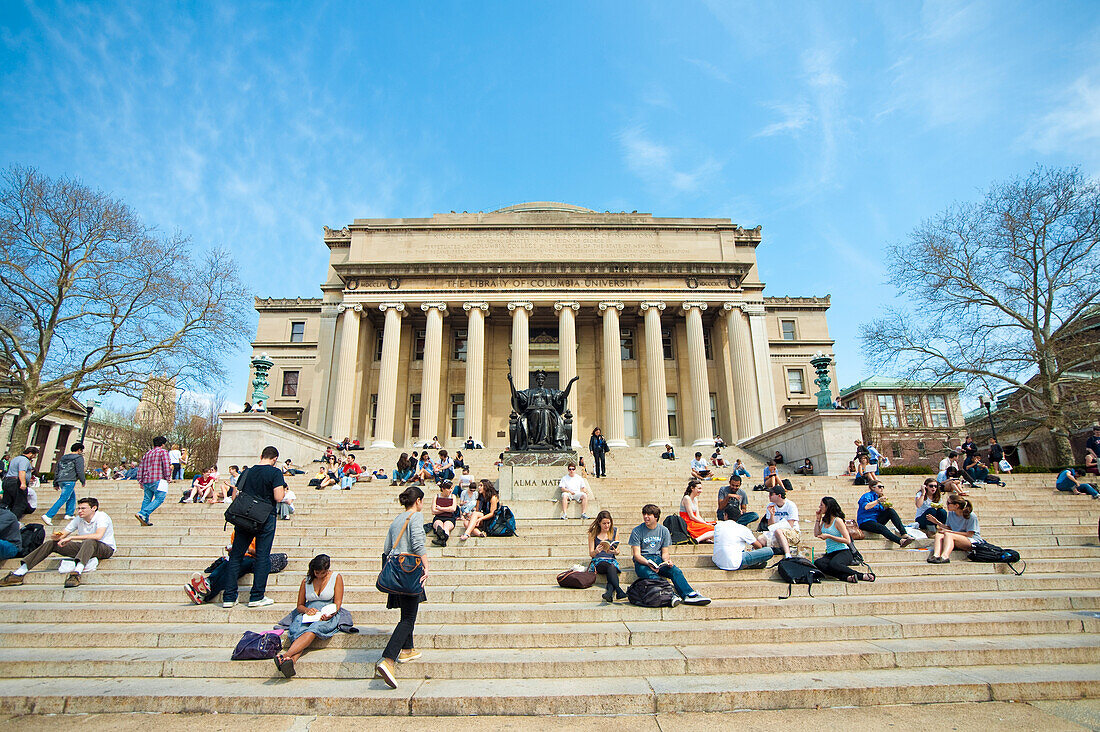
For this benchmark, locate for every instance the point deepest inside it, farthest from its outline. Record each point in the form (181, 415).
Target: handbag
(248, 513)
(402, 574)
(854, 532)
(576, 580)
(256, 646)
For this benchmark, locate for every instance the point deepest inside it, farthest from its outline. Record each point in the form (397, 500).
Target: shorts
(573, 496)
(793, 537)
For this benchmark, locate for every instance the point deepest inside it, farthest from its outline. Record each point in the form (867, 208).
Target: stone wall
(826, 437)
(244, 436)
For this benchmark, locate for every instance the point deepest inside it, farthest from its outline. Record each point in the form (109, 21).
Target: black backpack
(799, 571)
(31, 536)
(986, 552)
(678, 529)
(651, 592)
(504, 523)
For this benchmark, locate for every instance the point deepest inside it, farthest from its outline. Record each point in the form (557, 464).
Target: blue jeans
(742, 471)
(153, 499)
(756, 558)
(219, 578)
(8, 550)
(262, 567)
(644, 571)
(401, 476)
(66, 499)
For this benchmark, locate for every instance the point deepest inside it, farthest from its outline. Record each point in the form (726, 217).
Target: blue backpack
(504, 523)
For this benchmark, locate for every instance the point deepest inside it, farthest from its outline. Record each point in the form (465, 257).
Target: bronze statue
(540, 419)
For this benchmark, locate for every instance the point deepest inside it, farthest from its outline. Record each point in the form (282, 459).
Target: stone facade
(910, 422)
(663, 319)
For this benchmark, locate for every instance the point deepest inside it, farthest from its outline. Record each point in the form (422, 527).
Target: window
(378, 342)
(852, 404)
(708, 348)
(673, 421)
(458, 415)
(459, 348)
(937, 406)
(922, 449)
(666, 344)
(418, 344)
(630, 415)
(290, 384)
(626, 344)
(713, 415)
(414, 415)
(795, 382)
(914, 416)
(786, 327)
(297, 332)
(373, 414)
(895, 449)
(888, 410)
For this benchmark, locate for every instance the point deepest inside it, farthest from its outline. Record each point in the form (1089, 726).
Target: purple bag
(258, 646)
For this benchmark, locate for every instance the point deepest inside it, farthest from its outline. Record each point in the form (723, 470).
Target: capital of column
(330, 311)
(690, 305)
(558, 306)
(357, 307)
(398, 306)
(611, 304)
(752, 308)
(521, 304)
(468, 306)
(440, 306)
(651, 304)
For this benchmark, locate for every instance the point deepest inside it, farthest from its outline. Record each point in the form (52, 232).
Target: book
(658, 567)
(608, 546)
(326, 610)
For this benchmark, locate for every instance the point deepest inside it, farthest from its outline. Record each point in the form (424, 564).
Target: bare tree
(92, 298)
(1003, 294)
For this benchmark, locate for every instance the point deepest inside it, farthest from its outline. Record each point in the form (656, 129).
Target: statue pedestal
(529, 483)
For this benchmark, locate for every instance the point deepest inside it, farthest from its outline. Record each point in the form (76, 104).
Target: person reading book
(650, 542)
(603, 547)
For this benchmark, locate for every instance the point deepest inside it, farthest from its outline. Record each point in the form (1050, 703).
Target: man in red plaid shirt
(154, 474)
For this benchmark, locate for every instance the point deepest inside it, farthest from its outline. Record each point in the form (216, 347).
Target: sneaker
(563, 517)
(47, 520)
(11, 580)
(261, 603)
(408, 654)
(198, 581)
(69, 518)
(585, 516)
(229, 603)
(675, 601)
(193, 594)
(66, 566)
(696, 599)
(73, 580)
(385, 671)
(142, 520)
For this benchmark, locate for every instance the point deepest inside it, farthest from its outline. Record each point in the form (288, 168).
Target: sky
(836, 126)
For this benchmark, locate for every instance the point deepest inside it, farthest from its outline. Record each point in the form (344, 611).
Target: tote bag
(402, 574)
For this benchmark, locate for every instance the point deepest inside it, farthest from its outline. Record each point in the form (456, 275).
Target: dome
(543, 206)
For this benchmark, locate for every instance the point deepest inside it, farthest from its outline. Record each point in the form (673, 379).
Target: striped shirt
(154, 466)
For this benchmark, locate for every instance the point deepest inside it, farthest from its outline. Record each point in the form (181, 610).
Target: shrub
(908, 470)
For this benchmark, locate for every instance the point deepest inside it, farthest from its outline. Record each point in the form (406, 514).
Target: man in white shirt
(91, 535)
(574, 488)
(736, 548)
(782, 515)
(699, 469)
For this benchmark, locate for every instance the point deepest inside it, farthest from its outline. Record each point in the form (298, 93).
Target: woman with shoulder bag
(321, 588)
(406, 536)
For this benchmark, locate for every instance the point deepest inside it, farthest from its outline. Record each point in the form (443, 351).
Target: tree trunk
(19, 435)
(1063, 451)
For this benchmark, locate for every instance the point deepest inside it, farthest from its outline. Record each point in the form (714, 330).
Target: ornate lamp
(821, 362)
(261, 366)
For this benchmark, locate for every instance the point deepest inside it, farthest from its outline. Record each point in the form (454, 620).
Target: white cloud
(1074, 122)
(652, 162)
(794, 117)
(710, 69)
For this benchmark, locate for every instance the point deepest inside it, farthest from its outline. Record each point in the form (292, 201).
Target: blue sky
(835, 126)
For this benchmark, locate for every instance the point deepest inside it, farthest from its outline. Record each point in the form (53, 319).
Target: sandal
(868, 577)
(285, 666)
(853, 579)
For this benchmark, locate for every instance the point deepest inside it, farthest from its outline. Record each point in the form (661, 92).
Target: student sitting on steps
(603, 547)
(733, 503)
(319, 592)
(837, 560)
(89, 536)
(699, 469)
(930, 511)
(874, 512)
(699, 530)
(962, 531)
(650, 542)
(444, 513)
(736, 548)
(482, 517)
(1067, 483)
(781, 515)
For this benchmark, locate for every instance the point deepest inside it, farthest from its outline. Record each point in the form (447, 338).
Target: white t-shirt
(572, 483)
(173, 456)
(789, 511)
(699, 466)
(731, 539)
(80, 527)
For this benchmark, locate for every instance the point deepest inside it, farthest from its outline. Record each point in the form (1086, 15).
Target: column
(49, 452)
(345, 372)
(614, 425)
(567, 355)
(745, 395)
(7, 421)
(697, 374)
(761, 353)
(429, 384)
(318, 418)
(475, 369)
(521, 343)
(387, 376)
(655, 370)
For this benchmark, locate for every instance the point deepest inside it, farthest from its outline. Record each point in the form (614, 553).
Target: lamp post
(988, 404)
(87, 417)
(821, 362)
